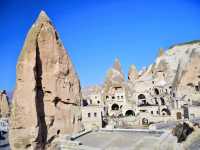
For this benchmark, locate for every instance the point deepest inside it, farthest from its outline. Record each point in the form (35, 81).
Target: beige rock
(117, 65)
(4, 106)
(47, 95)
(114, 76)
(133, 73)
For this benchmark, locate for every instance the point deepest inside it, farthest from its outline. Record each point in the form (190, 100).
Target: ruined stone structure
(4, 105)
(168, 89)
(46, 100)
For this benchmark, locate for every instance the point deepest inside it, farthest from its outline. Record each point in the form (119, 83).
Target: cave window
(89, 115)
(107, 97)
(156, 91)
(156, 102)
(162, 101)
(113, 97)
(197, 88)
(98, 102)
(173, 94)
(122, 97)
(152, 112)
(129, 113)
(115, 107)
(95, 114)
(84, 102)
(141, 96)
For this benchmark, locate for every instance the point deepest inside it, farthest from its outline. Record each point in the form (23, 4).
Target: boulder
(181, 131)
(46, 99)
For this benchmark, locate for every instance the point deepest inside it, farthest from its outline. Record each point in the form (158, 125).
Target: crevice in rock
(56, 100)
(39, 102)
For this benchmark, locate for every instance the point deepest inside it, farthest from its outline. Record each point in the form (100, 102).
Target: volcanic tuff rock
(47, 96)
(133, 73)
(4, 106)
(114, 76)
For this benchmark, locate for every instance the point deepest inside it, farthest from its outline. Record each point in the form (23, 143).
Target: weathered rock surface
(133, 73)
(47, 95)
(114, 76)
(4, 106)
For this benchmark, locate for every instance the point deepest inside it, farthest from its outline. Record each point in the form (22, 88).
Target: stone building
(92, 116)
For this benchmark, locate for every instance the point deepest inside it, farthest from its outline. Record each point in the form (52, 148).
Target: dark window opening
(141, 96)
(129, 113)
(95, 114)
(156, 102)
(115, 107)
(84, 102)
(173, 94)
(156, 91)
(197, 88)
(162, 101)
(89, 115)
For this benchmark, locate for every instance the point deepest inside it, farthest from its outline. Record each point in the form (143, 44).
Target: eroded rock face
(4, 106)
(46, 99)
(133, 73)
(114, 76)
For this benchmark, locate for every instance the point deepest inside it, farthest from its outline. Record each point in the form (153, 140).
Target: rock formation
(114, 76)
(4, 106)
(181, 131)
(133, 73)
(47, 95)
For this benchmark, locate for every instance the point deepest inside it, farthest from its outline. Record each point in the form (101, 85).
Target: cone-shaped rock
(4, 107)
(133, 73)
(47, 95)
(117, 65)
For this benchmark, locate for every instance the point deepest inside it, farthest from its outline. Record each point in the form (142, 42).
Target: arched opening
(165, 111)
(156, 91)
(162, 101)
(129, 113)
(115, 107)
(141, 96)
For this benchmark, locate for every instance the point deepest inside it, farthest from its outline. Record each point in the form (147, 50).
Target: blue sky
(95, 32)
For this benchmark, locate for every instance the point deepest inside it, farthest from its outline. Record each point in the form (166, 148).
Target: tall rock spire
(133, 73)
(4, 106)
(117, 65)
(47, 96)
